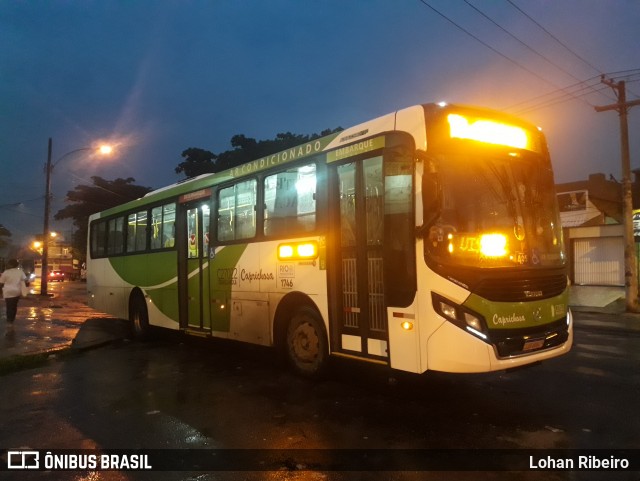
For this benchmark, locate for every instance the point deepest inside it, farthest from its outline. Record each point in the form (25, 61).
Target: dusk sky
(157, 77)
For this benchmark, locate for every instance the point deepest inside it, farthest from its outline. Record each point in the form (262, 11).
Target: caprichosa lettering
(256, 276)
(510, 319)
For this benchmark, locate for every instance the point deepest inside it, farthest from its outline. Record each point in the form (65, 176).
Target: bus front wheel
(307, 347)
(139, 318)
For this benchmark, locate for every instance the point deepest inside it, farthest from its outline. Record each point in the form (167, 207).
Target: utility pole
(44, 275)
(630, 257)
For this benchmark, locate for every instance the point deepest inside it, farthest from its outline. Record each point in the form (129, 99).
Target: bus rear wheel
(307, 347)
(139, 318)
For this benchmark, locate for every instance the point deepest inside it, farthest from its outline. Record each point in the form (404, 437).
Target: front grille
(518, 289)
(509, 343)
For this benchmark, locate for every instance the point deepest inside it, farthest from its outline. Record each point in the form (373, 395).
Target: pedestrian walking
(12, 281)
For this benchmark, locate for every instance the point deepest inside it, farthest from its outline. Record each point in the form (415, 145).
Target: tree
(4, 232)
(89, 199)
(196, 162)
(199, 161)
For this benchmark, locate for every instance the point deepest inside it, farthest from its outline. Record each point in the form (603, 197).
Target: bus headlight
(473, 321)
(460, 316)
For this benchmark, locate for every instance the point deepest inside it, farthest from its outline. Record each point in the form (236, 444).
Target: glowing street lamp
(37, 246)
(102, 150)
(105, 149)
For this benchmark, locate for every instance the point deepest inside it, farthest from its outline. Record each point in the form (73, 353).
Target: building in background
(60, 257)
(591, 216)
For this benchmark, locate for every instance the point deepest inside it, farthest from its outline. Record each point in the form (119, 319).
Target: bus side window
(225, 226)
(156, 228)
(98, 239)
(137, 231)
(237, 211)
(163, 226)
(169, 224)
(245, 221)
(115, 236)
(290, 201)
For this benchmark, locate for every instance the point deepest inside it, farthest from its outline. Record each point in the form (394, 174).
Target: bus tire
(139, 318)
(307, 346)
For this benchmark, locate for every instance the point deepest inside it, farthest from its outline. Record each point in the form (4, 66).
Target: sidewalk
(50, 325)
(602, 307)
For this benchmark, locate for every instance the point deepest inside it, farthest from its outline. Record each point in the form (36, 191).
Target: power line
(477, 39)
(554, 37)
(16, 204)
(569, 49)
(579, 89)
(561, 94)
(524, 44)
(535, 74)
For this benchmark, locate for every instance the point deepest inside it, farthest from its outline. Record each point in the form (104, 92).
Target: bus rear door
(193, 261)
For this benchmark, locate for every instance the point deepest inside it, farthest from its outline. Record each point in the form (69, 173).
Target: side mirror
(431, 193)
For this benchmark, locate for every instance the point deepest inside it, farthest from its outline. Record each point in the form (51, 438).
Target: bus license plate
(533, 344)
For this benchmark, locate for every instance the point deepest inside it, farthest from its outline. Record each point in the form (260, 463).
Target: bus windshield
(494, 209)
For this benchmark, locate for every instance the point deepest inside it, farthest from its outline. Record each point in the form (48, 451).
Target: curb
(20, 362)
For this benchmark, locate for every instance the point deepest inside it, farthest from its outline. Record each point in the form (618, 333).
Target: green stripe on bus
(147, 270)
(515, 315)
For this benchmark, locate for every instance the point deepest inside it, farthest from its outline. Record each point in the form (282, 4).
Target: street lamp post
(105, 150)
(44, 271)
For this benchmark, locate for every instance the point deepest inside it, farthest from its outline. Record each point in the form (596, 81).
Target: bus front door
(193, 266)
(360, 319)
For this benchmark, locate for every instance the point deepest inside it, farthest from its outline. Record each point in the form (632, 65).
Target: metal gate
(599, 261)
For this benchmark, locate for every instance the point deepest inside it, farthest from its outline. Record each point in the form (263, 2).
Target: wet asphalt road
(191, 395)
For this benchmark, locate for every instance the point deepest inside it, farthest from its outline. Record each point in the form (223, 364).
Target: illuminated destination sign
(490, 132)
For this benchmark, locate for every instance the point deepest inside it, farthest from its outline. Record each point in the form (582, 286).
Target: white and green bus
(426, 239)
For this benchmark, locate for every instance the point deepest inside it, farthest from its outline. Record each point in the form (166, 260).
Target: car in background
(56, 276)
